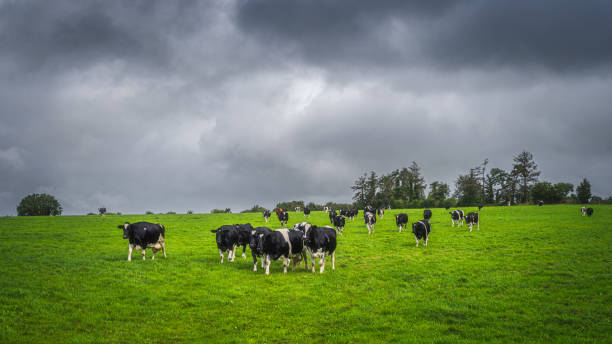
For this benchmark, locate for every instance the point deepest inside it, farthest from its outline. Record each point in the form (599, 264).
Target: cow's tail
(163, 230)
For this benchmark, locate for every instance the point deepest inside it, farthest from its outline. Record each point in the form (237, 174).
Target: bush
(39, 205)
(91, 214)
(256, 209)
(148, 212)
(189, 212)
(217, 211)
(171, 213)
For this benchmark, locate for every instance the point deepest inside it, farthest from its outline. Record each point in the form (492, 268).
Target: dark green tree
(416, 182)
(371, 188)
(583, 191)
(360, 191)
(525, 169)
(438, 192)
(39, 205)
(561, 190)
(468, 190)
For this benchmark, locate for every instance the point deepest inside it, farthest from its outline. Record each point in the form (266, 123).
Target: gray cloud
(173, 106)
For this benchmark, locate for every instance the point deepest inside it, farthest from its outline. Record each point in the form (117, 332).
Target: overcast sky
(177, 105)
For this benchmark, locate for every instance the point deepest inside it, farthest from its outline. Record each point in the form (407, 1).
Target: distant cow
(471, 219)
(480, 207)
(320, 242)
(142, 235)
(370, 220)
(339, 222)
(447, 207)
(266, 215)
(540, 203)
(369, 208)
(255, 252)
(421, 230)
(297, 209)
(583, 211)
(306, 212)
(589, 211)
(401, 220)
(381, 212)
(283, 217)
(456, 217)
(427, 214)
(332, 213)
(326, 208)
(282, 243)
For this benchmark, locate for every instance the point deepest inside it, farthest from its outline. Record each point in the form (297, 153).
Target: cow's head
(126, 231)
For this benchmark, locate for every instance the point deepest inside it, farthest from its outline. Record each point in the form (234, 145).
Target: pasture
(529, 275)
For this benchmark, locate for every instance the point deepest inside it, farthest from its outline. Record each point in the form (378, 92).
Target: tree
(359, 191)
(467, 189)
(494, 185)
(583, 191)
(371, 188)
(525, 169)
(438, 192)
(561, 190)
(385, 194)
(416, 183)
(39, 205)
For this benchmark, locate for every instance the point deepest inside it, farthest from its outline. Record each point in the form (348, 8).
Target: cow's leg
(322, 263)
(267, 259)
(477, 225)
(470, 226)
(426, 236)
(285, 263)
(312, 262)
(263, 258)
(232, 254)
(254, 261)
(417, 240)
(305, 257)
(221, 254)
(244, 251)
(163, 245)
(334, 260)
(153, 250)
(144, 251)
(130, 253)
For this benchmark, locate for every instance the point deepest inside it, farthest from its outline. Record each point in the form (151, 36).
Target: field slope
(529, 275)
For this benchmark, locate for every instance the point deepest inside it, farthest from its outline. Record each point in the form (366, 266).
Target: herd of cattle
(301, 242)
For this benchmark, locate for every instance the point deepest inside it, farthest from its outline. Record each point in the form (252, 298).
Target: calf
(142, 235)
(266, 215)
(306, 212)
(427, 214)
(421, 230)
(282, 243)
(339, 222)
(227, 237)
(283, 217)
(320, 242)
(253, 240)
(401, 220)
(471, 219)
(381, 212)
(370, 221)
(455, 217)
(589, 211)
(540, 203)
(583, 211)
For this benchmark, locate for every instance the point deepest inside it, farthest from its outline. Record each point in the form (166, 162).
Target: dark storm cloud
(156, 105)
(557, 35)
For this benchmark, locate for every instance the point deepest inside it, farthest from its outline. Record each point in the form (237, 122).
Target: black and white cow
(227, 238)
(142, 235)
(381, 212)
(266, 215)
(253, 240)
(320, 242)
(480, 207)
(332, 213)
(540, 203)
(339, 222)
(589, 211)
(427, 214)
(306, 212)
(583, 211)
(421, 230)
(244, 237)
(353, 213)
(401, 220)
(471, 219)
(283, 217)
(369, 208)
(297, 209)
(370, 220)
(282, 243)
(454, 217)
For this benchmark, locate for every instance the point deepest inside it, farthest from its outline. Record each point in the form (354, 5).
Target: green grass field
(529, 275)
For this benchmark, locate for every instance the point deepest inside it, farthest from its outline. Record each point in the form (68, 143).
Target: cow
(332, 213)
(320, 242)
(540, 203)
(283, 217)
(326, 208)
(339, 222)
(480, 207)
(370, 220)
(306, 212)
(244, 237)
(353, 213)
(447, 207)
(255, 252)
(282, 243)
(421, 230)
(344, 212)
(142, 235)
(589, 211)
(455, 217)
(297, 209)
(401, 220)
(471, 219)
(583, 211)
(427, 214)
(381, 212)
(266, 215)
(369, 208)
(227, 238)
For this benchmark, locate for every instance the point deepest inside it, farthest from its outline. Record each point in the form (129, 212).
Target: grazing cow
(401, 220)
(583, 211)
(253, 240)
(142, 235)
(306, 212)
(421, 230)
(589, 211)
(471, 219)
(381, 212)
(461, 216)
(283, 217)
(354, 212)
(244, 237)
(227, 237)
(266, 215)
(297, 209)
(427, 214)
(332, 214)
(282, 243)
(455, 217)
(320, 242)
(339, 222)
(447, 207)
(370, 221)
(540, 203)
(480, 207)
(344, 212)
(369, 208)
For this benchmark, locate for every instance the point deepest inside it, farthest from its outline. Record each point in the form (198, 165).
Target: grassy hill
(529, 275)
